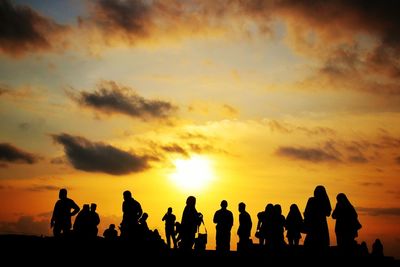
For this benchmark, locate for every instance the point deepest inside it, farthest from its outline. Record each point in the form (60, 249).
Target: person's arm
(334, 213)
(215, 219)
(164, 217)
(75, 208)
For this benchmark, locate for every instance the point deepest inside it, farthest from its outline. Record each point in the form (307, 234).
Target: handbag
(201, 240)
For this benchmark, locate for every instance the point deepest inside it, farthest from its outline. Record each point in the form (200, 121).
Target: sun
(193, 173)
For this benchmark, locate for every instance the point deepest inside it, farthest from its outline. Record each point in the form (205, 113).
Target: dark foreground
(47, 251)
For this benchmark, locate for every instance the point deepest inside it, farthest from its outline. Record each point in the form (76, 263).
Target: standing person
(189, 224)
(61, 219)
(170, 219)
(81, 225)
(224, 220)
(265, 225)
(94, 220)
(347, 224)
(294, 225)
(318, 208)
(244, 229)
(132, 211)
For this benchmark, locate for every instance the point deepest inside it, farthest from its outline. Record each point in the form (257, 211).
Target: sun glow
(193, 173)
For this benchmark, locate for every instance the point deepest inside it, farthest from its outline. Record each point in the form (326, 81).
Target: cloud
(132, 21)
(24, 126)
(358, 159)
(99, 157)
(287, 128)
(26, 225)
(10, 153)
(371, 184)
(111, 98)
(59, 160)
(379, 211)
(23, 30)
(397, 159)
(230, 110)
(41, 188)
(307, 154)
(355, 41)
(175, 148)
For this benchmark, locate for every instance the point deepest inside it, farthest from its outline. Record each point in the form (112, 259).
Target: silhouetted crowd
(186, 235)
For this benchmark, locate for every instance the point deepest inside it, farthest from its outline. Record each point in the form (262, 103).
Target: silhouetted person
(278, 224)
(110, 233)
(347, 224)
(189, 224)
(94, 220)
(377, 249)
(294, 225)
(317, 209)
(244, 229)
(363, 249)
(224, 220)
(264, 224)
(82, 222)
(143, 222)
(132, 211)
(61, 219)
(169, 219)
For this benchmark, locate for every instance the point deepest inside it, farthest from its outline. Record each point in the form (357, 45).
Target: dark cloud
(41, 188)
(397, 159)
(175, 148)
(112, 98)
(379, 211)
(337, 26)
(10, 153)
(23, 30)
(131, 17)
(25, 225)
(99, 157)
(307, 154)
(132, 20)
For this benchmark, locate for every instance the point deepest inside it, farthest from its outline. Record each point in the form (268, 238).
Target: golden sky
(253, 101)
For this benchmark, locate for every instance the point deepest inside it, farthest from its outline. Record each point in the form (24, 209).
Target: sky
(247, 101)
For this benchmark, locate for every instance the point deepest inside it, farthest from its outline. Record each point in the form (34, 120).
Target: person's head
(242, 207)
(112, 226)
(127, 195)
(63, 193)
(224, 204)
(342, 199)
(277, 209)
(144, 216)
(169, 210)
(320, 192)
(191, 201)
(85, 207)
(93, 207)
(294, 208)
(269, 208)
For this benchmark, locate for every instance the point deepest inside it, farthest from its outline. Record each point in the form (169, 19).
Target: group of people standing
(270, 230)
